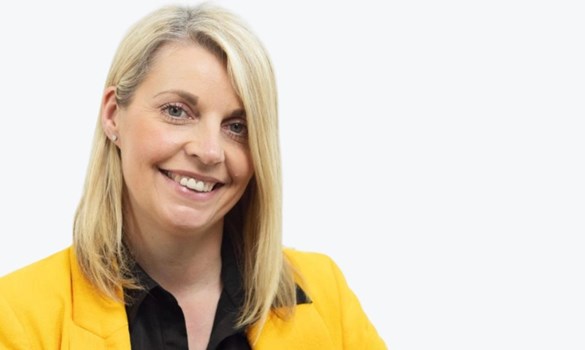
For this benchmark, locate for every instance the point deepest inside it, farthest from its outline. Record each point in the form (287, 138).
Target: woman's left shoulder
(317, 273)
(312, 263)
(330, 295)
(301, 259)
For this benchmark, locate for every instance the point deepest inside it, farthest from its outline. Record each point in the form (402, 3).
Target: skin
(184, 118)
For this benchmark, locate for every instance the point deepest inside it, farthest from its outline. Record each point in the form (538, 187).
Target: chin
(189, 222)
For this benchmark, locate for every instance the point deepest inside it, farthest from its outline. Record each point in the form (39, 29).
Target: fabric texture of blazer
(50, 305)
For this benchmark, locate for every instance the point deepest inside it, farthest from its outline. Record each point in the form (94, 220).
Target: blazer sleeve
(357, 330)
(12, 334)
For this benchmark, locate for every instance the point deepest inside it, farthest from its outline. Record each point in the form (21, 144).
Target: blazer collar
(306, 330)
(96, 316)
(100, 322)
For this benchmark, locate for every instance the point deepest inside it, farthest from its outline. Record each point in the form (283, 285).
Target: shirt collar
(231, 276)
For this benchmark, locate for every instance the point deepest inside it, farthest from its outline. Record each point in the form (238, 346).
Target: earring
(114, 138)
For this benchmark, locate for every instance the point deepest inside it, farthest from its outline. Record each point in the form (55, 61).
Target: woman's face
(183, 143)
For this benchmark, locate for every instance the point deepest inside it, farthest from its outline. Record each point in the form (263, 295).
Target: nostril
(210, 156)
(208, 149)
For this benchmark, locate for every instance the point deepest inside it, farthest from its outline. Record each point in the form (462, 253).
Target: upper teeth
(189, 182)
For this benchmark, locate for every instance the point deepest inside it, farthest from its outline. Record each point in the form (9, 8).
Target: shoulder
(314, 262)
(314, 271)
(38, 277)
(332, 298)
(33, 300)
(319, 276)
(38, 285)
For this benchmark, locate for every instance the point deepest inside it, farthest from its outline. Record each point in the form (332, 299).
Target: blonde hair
(98, 238)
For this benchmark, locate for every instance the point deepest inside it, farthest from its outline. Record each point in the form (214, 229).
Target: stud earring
(114, 138)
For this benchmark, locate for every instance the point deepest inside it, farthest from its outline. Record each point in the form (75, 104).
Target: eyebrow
(238, 113)
(192, 99)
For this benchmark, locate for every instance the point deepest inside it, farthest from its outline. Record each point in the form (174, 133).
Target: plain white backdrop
(434, 149)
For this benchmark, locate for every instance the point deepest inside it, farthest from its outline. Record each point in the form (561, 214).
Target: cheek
(241, 166)
(146, 144)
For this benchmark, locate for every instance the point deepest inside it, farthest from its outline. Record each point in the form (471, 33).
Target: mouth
(191, 183)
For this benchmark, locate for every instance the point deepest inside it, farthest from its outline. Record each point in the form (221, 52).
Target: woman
(177, 238)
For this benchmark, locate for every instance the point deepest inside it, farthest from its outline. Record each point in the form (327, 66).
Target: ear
(109, 114)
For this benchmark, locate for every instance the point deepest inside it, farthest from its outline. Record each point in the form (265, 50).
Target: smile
(191, 183)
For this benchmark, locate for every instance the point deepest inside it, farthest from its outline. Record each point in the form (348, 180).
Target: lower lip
(187, 193)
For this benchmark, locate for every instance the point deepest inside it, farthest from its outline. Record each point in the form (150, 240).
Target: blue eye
(175, 111)
(238, 128)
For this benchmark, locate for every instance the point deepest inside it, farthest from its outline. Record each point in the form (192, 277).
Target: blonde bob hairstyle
(99, 221)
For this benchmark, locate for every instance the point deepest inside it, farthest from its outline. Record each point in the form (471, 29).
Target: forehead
(207, 47)
(192, 68)
(186, 60)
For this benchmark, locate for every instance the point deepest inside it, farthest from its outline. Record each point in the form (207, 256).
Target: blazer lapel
(98, 322)
(305, 330)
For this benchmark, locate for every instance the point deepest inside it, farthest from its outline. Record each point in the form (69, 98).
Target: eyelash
(242, 137)
(165, 110)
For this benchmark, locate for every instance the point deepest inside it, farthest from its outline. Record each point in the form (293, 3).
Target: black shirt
(156, 321)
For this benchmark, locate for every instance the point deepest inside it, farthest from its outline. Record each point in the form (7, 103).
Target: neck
(180, 263)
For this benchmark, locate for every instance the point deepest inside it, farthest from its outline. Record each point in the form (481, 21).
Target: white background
(434, 149)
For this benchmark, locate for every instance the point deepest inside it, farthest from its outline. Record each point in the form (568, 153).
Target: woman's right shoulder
(34, 301)
(41, 279)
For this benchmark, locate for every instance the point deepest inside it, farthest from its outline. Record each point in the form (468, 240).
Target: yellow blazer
(50, 305)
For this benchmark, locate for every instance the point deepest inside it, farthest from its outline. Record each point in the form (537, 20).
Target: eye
(175, 111)
(237, 129)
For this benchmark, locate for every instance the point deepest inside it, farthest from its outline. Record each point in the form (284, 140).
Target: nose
(206, 145)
